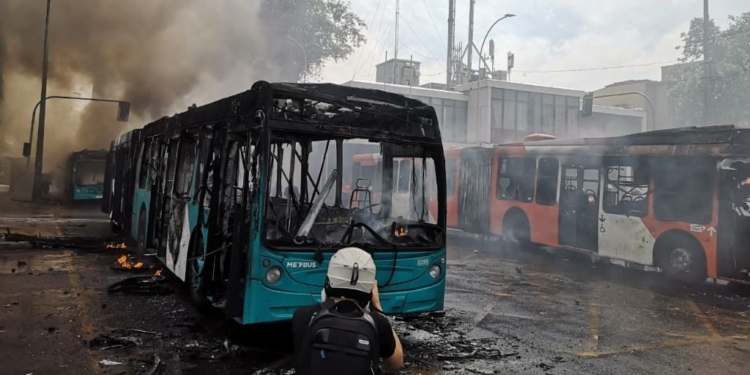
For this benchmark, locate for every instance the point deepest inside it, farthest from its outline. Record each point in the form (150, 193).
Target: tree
(324, 29)
(730, 52)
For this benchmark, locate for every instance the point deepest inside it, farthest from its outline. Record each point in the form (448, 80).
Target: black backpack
(340, 343)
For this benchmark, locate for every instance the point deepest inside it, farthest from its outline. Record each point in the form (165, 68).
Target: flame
(400, 232)
(158, 272)
(124, 262)
(746, 182)
(117, 245)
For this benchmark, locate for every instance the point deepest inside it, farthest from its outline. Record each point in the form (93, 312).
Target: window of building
(683, 189)
(460, 128)
(536, 118)
(438, 105)
(522, 113)
(560, 116)
(572, 116)
(626, 188)
(509, 110)
(548, 114)
(497, 116)
(546, 181)
(515, 179)
(450, 121)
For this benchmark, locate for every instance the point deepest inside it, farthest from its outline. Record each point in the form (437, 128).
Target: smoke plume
(160, 55)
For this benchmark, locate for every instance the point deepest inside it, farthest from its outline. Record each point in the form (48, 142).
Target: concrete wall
(658, 92)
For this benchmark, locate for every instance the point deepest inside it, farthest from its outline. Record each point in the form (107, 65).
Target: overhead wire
(597, 68)
(362, 52)
(381, 32)
(420, 41)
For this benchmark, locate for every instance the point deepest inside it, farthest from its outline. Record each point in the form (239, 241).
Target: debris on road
(83, 243)
(141, 285)
(157, 365)
(107, 362)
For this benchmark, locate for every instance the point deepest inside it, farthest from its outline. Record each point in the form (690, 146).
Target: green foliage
(326, 29)
(730, 51)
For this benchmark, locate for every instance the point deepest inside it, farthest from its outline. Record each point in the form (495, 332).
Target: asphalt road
(522, 311)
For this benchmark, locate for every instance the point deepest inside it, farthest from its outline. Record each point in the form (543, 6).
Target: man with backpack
(347, 333)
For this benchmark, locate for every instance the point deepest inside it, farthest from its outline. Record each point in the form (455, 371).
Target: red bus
(675, 199)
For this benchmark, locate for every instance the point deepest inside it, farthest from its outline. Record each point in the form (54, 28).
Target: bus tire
(141, 245)
(516, 229)
(681, 258)
(195, 273)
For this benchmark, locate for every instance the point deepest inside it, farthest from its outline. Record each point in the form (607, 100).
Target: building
(491, 112)
(626, 95)
(398, 71)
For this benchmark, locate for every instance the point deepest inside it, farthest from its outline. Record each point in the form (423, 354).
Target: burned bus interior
(310, 167)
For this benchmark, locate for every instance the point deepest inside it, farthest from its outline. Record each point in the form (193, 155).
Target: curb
(4, 245)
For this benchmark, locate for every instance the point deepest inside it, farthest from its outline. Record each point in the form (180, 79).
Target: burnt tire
(517, 231)
(682, 259)
(195, 275)
(141, 245)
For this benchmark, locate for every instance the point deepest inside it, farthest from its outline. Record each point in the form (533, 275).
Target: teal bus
(84, 176)
(243, 199)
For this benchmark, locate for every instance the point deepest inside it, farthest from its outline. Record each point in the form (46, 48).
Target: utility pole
(42, 113)
(470, 46)
(395, 48)
(451, 41)
(707, 68)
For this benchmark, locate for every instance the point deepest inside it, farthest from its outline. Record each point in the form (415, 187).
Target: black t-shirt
(303, 316)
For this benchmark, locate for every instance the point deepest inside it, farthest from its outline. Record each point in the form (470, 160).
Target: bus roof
(720, 139)
(319, 110)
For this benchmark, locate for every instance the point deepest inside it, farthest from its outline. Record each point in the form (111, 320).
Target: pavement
(525, 311)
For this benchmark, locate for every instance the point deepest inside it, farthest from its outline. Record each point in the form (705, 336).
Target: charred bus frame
(199, 186)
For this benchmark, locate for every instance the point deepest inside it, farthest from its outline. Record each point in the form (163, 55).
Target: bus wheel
(683, 260)
(141, 244)
(516, 230)
(195, 275)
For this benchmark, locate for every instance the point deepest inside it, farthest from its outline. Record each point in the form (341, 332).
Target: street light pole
(42, 112)
(123, 113)
(481, 50)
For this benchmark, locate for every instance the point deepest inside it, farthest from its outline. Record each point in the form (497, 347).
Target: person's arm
(396, 360)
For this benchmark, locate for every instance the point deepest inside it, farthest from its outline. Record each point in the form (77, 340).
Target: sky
(546, 36)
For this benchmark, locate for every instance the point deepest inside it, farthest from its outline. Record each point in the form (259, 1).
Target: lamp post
(123, 112)
(36, 192)
(481, 49)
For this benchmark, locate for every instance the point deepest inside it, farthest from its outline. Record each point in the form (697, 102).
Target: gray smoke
(160, 55)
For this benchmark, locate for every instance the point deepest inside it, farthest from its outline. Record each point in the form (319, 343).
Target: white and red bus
(674, 199)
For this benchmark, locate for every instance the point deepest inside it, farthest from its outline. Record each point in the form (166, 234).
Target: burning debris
(128, 263)
(142, 285)
(117, 246)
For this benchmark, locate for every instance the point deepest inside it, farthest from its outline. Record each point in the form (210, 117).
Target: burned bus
(84, 176)
(677, 200)
(244, 198)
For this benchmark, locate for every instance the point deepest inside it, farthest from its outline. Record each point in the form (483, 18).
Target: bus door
(179, 226)
(733, 230)
(579, 206)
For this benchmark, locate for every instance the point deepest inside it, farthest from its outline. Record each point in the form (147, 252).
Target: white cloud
(545, 35)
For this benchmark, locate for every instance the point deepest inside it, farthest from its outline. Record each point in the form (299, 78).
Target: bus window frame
(641, 176)
(508, 175)
(667, 166)
(553, 186)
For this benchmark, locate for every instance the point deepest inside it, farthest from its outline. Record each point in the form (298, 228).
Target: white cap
(353, 269)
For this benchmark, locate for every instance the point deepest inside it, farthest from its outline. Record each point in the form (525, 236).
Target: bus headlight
(435, 271)
(273, 275)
